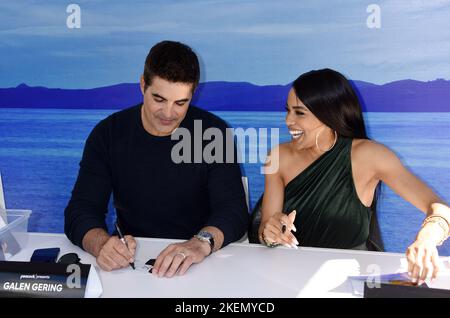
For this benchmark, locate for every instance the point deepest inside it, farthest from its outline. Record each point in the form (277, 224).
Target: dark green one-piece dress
(329, 212)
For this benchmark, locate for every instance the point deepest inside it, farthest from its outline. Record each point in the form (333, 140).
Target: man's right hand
(115, 255)
(110, 252)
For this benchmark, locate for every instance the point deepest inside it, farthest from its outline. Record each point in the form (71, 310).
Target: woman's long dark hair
(332, 99)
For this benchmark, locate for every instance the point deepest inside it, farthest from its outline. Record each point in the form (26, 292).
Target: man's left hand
(177, 258)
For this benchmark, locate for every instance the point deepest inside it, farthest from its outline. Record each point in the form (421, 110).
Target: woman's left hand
(423, 257)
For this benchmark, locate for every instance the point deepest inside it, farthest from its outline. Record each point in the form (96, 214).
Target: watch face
(205, 235)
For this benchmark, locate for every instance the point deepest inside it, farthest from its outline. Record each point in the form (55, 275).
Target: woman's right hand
(277, 230)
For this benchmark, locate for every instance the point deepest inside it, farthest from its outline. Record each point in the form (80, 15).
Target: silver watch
(206, 237)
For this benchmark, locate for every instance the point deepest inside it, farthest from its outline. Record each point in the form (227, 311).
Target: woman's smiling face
(301, 122)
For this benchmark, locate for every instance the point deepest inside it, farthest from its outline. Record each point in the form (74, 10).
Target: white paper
(358, 281)
(2, 222)
(94, 287)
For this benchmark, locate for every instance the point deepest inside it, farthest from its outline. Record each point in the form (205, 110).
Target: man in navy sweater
(134, 155)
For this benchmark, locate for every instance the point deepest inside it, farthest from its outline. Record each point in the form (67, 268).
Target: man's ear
(142, 84)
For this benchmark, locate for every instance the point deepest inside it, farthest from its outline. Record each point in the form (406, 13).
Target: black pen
(122, 238)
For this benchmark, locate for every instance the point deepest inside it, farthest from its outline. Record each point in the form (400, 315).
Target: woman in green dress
(323, 193)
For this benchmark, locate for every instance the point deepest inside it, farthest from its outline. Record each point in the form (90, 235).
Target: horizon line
(218, 81)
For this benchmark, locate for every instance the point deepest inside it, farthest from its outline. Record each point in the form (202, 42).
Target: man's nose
(167, 111)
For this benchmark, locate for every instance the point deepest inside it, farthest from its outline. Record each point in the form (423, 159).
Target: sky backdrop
(257, 41)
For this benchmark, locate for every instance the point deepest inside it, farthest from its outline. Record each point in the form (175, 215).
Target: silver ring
(182, 254)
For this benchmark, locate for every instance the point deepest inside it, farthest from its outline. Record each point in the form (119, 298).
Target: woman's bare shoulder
(370, 150)
(282, 149)
(281, 155)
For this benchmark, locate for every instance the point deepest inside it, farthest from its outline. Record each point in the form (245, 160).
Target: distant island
(398, 96)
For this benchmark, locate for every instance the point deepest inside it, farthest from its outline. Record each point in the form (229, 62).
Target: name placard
(25, 279)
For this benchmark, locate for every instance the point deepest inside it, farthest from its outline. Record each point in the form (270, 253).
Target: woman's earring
(317, 141)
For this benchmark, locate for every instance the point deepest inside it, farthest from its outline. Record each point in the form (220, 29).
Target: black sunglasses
(70, 258)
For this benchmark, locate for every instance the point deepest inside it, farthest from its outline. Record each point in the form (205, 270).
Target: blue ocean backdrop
(40, 150)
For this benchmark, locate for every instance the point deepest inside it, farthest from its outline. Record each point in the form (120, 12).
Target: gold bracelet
(438, 219)
(443, 218)
(441, 222)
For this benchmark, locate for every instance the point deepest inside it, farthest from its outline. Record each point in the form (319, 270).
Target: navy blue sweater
(152, 195)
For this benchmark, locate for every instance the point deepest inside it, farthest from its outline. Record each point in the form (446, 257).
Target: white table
(239, 270)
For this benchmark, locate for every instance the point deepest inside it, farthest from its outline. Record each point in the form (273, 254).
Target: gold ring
(182, 254)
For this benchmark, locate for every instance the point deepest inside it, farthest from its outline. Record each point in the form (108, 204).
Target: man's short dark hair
(172, 61)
